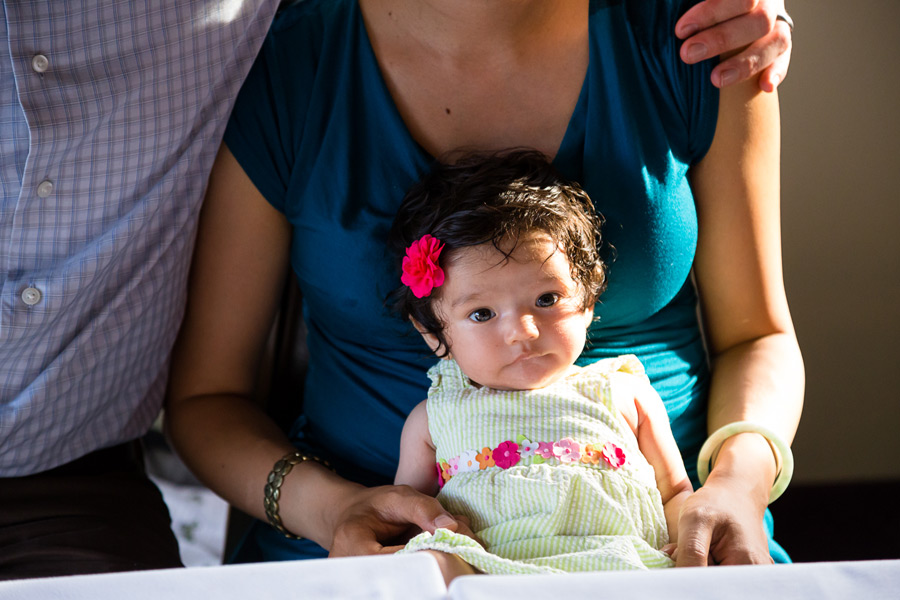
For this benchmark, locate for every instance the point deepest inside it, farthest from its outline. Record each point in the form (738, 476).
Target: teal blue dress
(318, 133)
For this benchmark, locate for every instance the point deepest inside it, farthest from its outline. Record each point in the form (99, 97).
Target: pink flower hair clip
(421, 271)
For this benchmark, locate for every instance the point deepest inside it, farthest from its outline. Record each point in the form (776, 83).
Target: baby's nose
(524, 327)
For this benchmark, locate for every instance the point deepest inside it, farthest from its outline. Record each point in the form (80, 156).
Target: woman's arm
(240, 262)
(757, 370)
(715, 27)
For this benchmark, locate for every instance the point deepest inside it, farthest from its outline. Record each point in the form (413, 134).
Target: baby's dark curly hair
(496, 198)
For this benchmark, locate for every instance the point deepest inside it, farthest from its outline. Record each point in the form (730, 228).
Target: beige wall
(841, 211)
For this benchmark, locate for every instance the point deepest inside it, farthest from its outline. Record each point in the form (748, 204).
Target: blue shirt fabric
(318, 133)
(111, 113)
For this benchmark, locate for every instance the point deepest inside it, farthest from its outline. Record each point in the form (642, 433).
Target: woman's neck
(470, 28)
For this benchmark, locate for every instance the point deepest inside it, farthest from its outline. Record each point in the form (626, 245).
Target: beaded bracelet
(784, 458)
(272, 491)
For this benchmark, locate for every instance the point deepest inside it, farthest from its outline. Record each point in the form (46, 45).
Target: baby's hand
(452, 566)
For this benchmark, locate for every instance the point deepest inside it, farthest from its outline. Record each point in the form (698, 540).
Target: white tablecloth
(368, 577)
(417, 577)
(862, 580)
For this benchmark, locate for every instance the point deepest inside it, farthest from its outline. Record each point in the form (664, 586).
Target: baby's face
(515, 324)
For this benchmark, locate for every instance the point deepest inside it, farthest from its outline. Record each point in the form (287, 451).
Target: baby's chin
(525, 381)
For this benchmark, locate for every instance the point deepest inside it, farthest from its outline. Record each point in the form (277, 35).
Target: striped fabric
(551, 516)
(111, 113)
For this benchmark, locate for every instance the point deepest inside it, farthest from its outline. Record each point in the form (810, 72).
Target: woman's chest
(486, 92)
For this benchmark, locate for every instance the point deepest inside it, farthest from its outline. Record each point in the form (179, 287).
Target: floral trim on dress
(507, 454)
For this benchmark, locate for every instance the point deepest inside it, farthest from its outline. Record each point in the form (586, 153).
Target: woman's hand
(716, 27)
(381, 520)
(722, 524)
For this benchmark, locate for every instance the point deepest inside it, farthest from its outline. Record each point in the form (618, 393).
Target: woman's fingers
(771, 54)
(727, 36)
(772, 77)
(709, 13)
(381, 519)
(720, 525)
(695, 529)
(464, 527)
(717, 27)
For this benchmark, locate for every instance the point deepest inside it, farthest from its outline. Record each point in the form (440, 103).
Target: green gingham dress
(552, 479)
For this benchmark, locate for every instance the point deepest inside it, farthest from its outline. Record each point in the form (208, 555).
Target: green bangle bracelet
(784, 458)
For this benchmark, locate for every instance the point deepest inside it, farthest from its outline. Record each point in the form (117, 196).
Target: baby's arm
(417, 469)
(417, 454)
(645, 413)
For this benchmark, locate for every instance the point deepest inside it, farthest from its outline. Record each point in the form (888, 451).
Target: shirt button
(31, 296)
(44, 189)
(40, 63)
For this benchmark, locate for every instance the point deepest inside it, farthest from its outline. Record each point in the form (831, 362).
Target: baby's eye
(547, 300)
(481, 315)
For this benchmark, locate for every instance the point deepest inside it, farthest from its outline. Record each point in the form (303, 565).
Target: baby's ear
(588, 317)
(429, 338)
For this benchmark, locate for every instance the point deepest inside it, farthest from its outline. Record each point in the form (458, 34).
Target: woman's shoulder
(636, 49)
(642, 12)
(312, 36)
(651, 22)
(303, 29)
(312, 15)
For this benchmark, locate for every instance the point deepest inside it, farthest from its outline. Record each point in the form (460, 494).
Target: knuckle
(733, 8)
(783, 38)
(780, 66)
(718, 41)
(339, 541)
(394, 494)
(698, 515)
(721, 6)
(750, 65)
(767, 10)
(762, 21)
(759, 558)
(692, 547)
(749, 5)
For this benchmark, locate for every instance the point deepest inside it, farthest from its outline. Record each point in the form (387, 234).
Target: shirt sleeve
(260, 132)
(686, 89)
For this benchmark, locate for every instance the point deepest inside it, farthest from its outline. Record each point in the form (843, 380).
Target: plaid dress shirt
(111, 113)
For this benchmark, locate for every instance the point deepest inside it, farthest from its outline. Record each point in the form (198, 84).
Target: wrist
(746, 460)
(274, 481)
(311, 498)
(741, 453)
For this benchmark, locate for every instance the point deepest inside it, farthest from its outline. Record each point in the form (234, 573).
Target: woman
(345, 108)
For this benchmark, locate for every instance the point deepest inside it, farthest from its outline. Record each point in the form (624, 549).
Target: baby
(558, 468)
